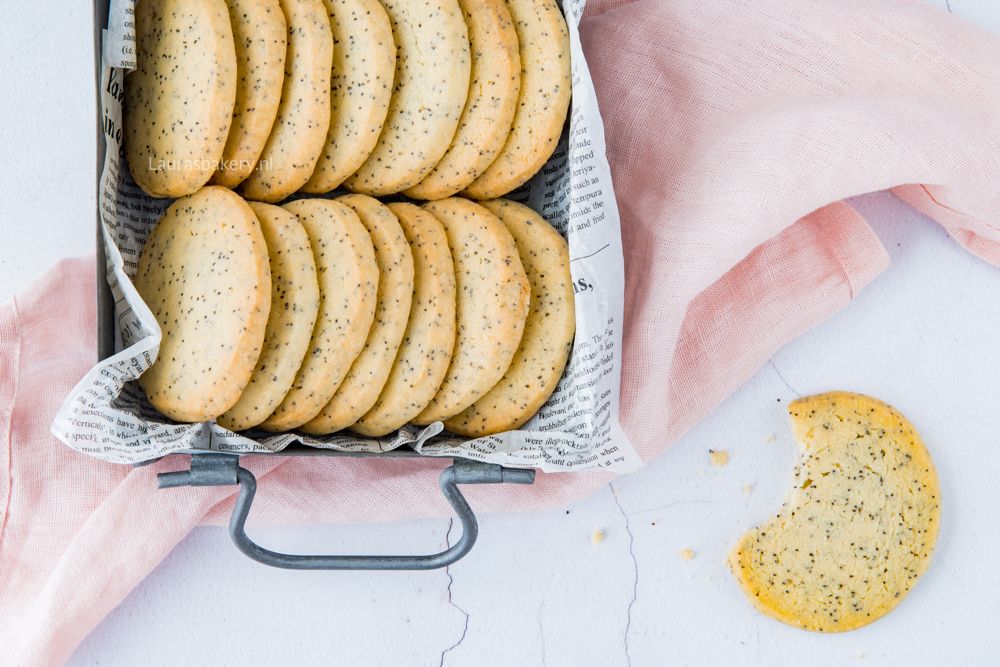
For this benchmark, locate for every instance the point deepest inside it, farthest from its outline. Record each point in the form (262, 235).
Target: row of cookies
(327, 314)
(273, 97)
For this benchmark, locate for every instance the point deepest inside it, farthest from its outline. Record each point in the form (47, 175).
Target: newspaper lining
(107, 415)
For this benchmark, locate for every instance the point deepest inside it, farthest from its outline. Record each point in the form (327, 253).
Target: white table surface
(536, 590)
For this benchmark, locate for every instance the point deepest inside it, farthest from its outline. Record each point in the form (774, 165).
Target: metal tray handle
(225, 470)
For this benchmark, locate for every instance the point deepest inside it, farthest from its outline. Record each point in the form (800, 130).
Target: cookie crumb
(597, 536)
(718, 457)
(770, 438)
(687, 554)
(748, 489)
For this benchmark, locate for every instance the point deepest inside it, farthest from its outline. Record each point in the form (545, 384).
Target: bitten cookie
(259, 33)
(294, 308)
(492, 297)
(348, 283)
(299, 132)
(204, 275)
(546, 87)
(363, 383)
(429, 339)
(179, 100)
(859, 527)
(364, 63)
(431, 86)
(489, 111)
(548, 332)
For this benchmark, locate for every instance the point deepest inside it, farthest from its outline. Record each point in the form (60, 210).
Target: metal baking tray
(220, 469)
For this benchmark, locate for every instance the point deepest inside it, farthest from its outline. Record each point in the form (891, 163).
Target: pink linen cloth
(735, 129)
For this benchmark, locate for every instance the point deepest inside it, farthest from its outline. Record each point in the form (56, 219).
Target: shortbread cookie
(348, 284)
(294, 308)
(431, 86)
(429, 340)
(299, 132)
(489, 111)
(364, 64)
(859, 526)
(260, 36)
(179, 100)
(204, 275)
(541, 357)
(491, 305)
(363, 383)
(546, 87)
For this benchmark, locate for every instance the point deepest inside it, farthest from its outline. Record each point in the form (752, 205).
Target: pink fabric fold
(735, 130)
(728, 120)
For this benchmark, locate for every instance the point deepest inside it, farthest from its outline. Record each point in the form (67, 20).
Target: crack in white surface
(675, 503)
(451, 601)
(783, 380)
(541, 631)
(635, 573)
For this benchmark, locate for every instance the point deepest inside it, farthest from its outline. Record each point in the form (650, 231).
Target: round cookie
(859, 526)
(546, 87)
(429, 339)
(259, 33)
(429, 93)
(348, 283)
(489, 111)
(363, 383)
(299, 131)
(492, 299)
(364, 64)
(294, 308)
(541, 357)
(179, 101)
(204, 275)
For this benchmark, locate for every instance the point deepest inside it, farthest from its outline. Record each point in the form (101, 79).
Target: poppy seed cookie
(429, 339)
(299, 132)
(294, 308)
(492, 299)
(179, 100)
(429, 93)
(348, 282)
(859, 527)
(260, 36)
(364, 64)
(548, 332)
(363, 383)
(489, 111)
(204, 275)
(546, 87)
